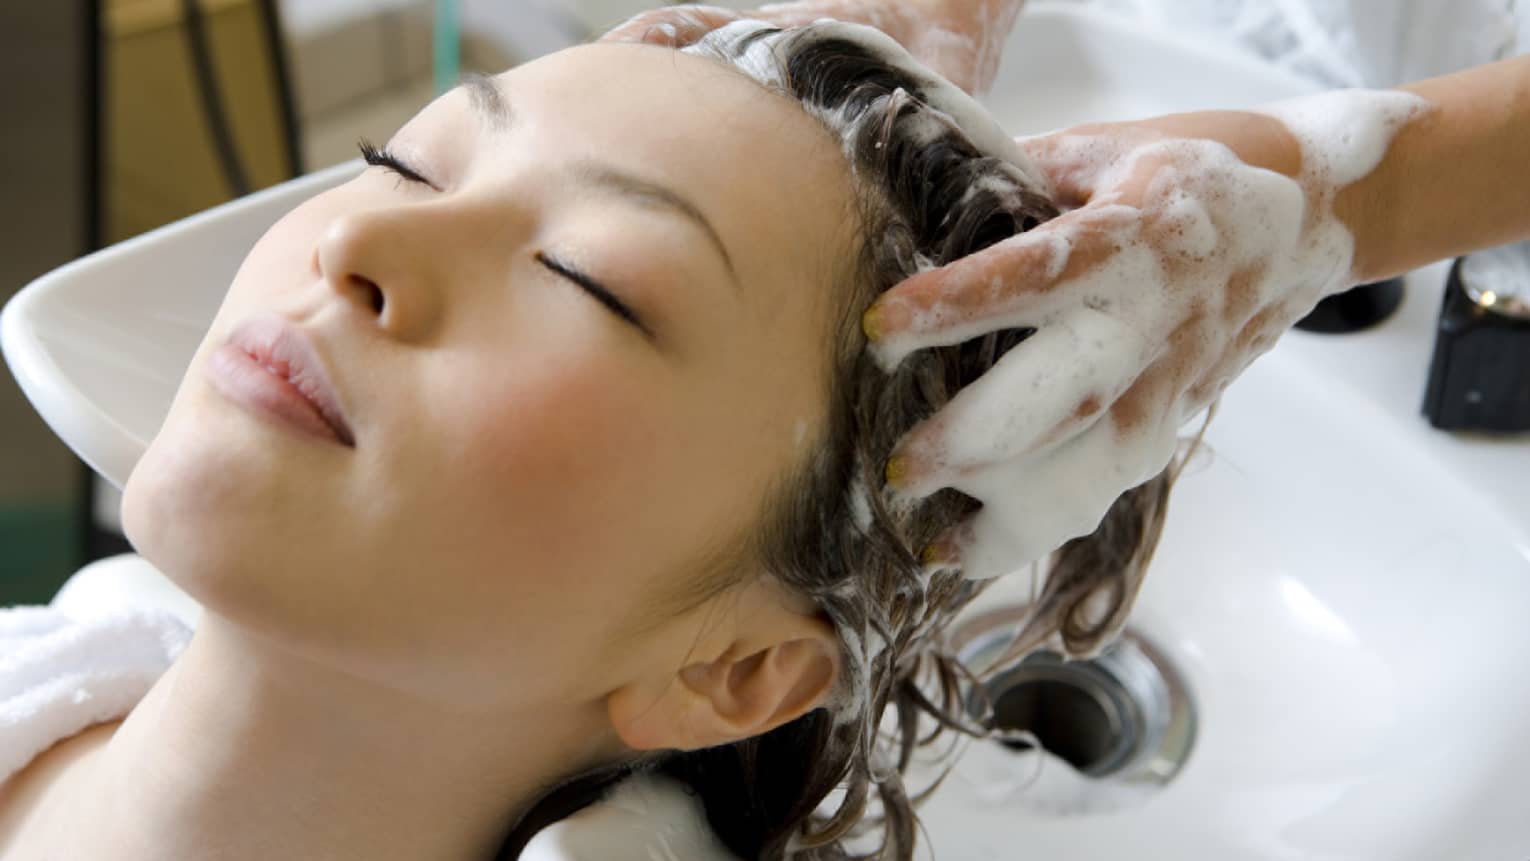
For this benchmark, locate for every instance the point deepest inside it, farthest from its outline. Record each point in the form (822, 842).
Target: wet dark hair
(926, 196)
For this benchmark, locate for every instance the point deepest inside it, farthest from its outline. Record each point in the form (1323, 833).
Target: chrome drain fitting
(1124, 719)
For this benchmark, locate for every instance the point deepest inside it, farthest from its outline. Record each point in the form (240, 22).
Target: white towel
(87, 657)
(60, 674)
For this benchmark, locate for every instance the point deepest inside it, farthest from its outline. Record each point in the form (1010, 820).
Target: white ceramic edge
(91, 432)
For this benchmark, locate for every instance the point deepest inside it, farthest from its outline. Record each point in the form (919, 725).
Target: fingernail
(897, 470)
(938, 553)
(872, 322)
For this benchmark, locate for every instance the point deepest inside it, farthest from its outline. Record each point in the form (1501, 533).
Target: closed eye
(386, 159)
(597, 290)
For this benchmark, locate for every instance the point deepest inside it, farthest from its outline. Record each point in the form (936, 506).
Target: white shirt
(1349, 43)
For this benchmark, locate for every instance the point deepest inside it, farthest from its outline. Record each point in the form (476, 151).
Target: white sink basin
(1350, 621)
(100, 344)
(1343, 590)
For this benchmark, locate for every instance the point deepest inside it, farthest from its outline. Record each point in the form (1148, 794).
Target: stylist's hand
(960, 39)
(1188, 244)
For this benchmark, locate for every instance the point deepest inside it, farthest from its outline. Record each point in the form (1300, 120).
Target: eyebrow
(487, 100)
(491, 104)
(604, 177)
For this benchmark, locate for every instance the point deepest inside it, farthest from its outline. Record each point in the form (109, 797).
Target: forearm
(1454, 180)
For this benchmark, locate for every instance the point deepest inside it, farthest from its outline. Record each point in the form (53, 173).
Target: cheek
(552, 460)
(565, 497)
(570, 432)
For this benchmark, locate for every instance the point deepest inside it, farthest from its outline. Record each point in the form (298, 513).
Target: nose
(374, 260)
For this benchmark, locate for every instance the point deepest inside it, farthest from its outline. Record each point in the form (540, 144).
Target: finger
(1049, 388)
(674, 28)
(1032, 506)
(945, 550)
(1086, 151)
(1073, 160)
(1014, 284)
(1159, 393)
(798, 14)
(1255, 339)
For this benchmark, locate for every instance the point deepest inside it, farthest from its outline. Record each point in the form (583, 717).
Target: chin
(242, 522)
(199, 507)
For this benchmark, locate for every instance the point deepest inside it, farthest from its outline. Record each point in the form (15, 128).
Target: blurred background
(118, 116)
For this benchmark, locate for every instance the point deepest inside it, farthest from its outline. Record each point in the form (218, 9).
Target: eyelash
(383, 158)
(595, 289)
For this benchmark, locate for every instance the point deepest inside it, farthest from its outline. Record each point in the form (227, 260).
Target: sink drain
(1124, 718)
(1067, 718)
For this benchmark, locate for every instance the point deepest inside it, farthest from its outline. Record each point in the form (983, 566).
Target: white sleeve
(60, 674)
(1348, 43)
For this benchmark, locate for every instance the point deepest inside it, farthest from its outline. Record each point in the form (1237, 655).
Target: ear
(778, 670)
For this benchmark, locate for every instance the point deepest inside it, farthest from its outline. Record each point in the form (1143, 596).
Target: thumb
(1073, 159)
(671, 28)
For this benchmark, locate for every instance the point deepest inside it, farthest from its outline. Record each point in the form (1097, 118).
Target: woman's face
(530, 468)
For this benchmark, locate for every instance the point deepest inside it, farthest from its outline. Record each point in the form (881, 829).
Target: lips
(270, 364)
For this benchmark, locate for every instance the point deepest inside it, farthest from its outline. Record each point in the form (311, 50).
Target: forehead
(656, 98)
(765, 173)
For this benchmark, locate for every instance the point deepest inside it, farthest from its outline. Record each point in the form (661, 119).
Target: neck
(244, 750)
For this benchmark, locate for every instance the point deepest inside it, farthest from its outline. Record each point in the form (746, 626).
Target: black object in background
(1355, 309)
(49, 185)
(1479, 378)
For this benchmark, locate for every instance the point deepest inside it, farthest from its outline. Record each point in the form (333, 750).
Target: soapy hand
(1188, 245)
(960, 39)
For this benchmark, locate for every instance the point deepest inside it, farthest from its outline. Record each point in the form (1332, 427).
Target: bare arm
(1454, 181)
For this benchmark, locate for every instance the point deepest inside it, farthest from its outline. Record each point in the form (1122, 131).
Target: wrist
(1365, 210)
(1355, 151)
(1451, 181)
